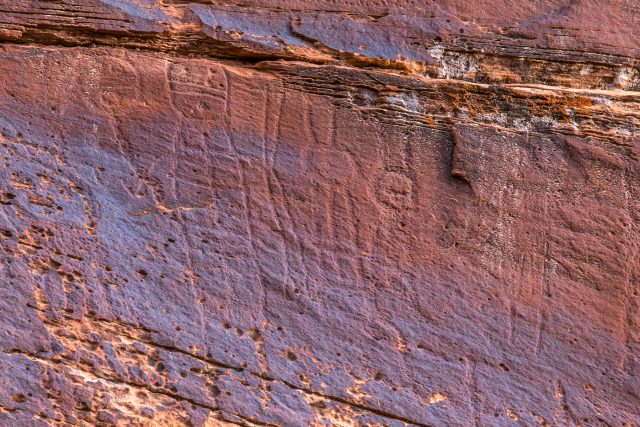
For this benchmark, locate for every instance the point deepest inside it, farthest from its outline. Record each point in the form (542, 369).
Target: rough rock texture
(293, 213)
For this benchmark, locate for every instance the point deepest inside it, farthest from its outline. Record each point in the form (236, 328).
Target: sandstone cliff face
(375, 212)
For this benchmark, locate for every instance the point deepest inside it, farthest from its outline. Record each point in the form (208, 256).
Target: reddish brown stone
(319, 213)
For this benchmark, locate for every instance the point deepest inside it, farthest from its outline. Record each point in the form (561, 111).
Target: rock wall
(332, 213)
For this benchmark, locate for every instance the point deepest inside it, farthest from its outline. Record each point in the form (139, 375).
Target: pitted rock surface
(331, 213)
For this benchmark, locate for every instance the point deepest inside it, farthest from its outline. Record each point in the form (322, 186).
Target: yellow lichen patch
(355, 391)
(326, 415)
(22, 184)
(513, 415)
(429, 121)
(437, 398)
(401, 344)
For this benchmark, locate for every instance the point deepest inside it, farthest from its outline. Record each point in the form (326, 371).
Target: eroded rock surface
(294, 213)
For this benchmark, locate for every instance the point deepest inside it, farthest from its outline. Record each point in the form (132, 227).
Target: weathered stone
(319, 213)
